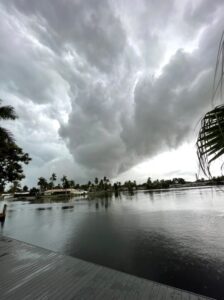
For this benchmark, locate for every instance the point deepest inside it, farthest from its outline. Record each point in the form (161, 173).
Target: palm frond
(6, 136)
(210, 142)
(7, 112)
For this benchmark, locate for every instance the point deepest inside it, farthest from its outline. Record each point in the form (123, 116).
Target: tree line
(96, 185)
(104, 184)
(65, 183)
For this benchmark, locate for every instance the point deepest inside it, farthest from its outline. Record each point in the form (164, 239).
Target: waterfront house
(69, 192)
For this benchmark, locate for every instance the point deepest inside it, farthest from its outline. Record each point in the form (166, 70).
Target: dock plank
(30, 272)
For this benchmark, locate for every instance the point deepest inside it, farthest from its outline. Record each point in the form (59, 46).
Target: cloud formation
(113, 82)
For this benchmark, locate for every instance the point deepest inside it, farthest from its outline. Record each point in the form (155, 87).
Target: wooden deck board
(30, 272)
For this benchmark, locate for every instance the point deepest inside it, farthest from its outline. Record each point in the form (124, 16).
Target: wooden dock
(31, 272)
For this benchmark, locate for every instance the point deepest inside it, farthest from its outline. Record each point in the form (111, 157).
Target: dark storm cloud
(88, 68)
(166, 110)
(90, 27)
(24, 64)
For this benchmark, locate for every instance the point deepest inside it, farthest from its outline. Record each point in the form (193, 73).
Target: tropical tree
(149, 183)
(101, 185)
(210, 142)
(53, 178)
(25, 188)
(15, 187)
(6, 113)
(43, 184)
(65, 182)
(71, 184)
(116, 188)
(33, 191)
(58, 186)
(12, 157)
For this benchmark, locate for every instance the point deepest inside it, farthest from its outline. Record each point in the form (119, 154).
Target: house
(68, 192)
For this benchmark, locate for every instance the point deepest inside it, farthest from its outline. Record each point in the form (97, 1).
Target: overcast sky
(111, 88)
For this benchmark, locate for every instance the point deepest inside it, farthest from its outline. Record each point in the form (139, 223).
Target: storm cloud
(101, 86)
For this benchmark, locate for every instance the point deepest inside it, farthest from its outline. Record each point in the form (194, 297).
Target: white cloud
(181, 162)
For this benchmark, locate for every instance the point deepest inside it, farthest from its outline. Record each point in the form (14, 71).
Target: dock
(31, 272)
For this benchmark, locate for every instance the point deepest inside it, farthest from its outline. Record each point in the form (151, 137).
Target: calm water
(174, 237)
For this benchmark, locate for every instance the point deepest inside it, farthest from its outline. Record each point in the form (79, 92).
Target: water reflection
(175, 237)
(151, 196)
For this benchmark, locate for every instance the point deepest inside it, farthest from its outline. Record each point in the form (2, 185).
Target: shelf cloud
(101, 86)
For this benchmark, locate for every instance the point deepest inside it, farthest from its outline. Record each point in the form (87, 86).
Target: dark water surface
(174, 237)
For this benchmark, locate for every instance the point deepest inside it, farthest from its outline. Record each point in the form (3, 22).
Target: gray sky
(111, 88)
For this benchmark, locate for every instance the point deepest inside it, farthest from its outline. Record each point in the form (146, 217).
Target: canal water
(174, 237)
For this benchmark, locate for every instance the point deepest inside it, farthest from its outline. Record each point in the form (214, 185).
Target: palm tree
(71, 184)
(42, 182)
(96, 181)
(53, 178)
(101, 184)
(6, 113)
(65, 182)
(210, 142)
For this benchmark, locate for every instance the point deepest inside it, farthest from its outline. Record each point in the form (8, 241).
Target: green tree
(12, 157)
(53, 178)
(6, 113)
(65, 182)
(72, 184)
(129, 185)
(106, 183)
(149, 183)
(25, 188)
(33, 191)
(101, 185)
(15, 187)
(96, 181)
(43, 184)
(58, 186)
